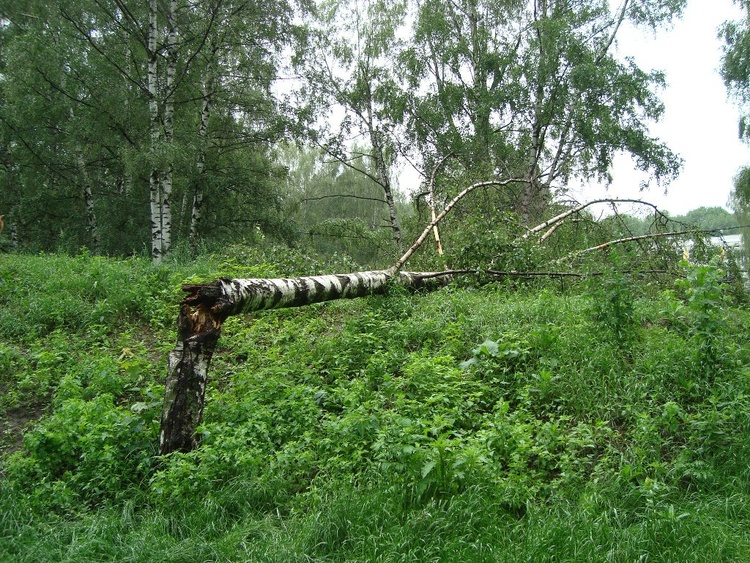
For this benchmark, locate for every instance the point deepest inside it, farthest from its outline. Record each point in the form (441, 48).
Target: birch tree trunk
(88, 201)
(531, 190)
(155, 131)
(205, 309)
(385, 182)
(378, 155)
(162, 129)
(167, 179)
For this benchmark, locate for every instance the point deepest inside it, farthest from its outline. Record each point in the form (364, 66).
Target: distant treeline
(707, 218)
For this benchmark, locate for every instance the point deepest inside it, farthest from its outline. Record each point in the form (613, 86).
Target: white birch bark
(167, 179)
(88, 201)
(242, 295)
(153, 107)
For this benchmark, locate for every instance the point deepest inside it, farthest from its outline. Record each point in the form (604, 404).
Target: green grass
(607, 422)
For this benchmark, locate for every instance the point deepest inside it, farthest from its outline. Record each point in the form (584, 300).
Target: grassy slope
(595, 424)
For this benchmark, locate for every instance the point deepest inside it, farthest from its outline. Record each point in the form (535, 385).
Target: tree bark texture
(207, 306)
(155, 133)
(88, 202)
(167, 177)
(378, 155)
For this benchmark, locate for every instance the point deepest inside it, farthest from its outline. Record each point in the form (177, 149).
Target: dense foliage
(569, 420)
(134, 128)
(128, 126)
(734, 70)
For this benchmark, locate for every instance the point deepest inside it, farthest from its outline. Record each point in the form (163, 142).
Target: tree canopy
(131, 127)
(735, 70)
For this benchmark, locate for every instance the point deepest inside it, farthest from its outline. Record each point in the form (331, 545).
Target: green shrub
(613, 304)
(86, 452)
(705, 302)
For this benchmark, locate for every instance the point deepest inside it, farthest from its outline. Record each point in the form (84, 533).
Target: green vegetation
(710, 218)
(714, 219)
(607, 420)
(565, 419)
(131, 127)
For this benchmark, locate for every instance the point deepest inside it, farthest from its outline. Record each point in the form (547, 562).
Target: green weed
(467, 424)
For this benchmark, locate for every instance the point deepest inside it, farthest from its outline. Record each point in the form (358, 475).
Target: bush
(86, 452)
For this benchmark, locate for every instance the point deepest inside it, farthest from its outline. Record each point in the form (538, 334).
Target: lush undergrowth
(608, 421)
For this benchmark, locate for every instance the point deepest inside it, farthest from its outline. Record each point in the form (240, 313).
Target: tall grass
(607, 422)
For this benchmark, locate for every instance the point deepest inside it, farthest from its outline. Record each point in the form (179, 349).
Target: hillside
(607, 419)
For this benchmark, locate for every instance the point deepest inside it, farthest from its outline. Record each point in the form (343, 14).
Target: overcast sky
(700, 121)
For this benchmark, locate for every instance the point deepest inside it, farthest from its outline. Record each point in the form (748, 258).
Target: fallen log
(206, 307)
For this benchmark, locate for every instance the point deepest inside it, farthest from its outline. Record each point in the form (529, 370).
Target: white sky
(700, 122)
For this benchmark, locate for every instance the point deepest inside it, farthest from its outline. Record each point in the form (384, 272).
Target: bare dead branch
(343, 160)
(413, 248)
(528, 274)
(581, 207)
(624, 240)
(566, 274)
(352, 196)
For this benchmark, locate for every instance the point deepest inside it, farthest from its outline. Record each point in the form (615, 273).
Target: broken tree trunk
(207, 306)
(205, 309)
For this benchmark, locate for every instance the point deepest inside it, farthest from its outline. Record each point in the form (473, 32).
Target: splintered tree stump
(198, 331)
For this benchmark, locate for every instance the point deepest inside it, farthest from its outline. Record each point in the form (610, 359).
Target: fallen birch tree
(207, 306)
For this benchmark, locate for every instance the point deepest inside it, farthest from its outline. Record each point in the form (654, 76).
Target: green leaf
(487, 348)
(427, 468)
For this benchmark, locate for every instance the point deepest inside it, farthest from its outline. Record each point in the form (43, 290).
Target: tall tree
(335, 207)
(735, 70)
(533, 89)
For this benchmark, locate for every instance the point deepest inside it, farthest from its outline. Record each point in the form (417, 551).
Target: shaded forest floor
(599, 421)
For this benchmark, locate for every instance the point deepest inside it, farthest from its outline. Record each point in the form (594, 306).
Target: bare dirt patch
(13, 422)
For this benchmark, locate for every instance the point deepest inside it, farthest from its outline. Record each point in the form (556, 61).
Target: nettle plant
(613, 304)
(704, 302)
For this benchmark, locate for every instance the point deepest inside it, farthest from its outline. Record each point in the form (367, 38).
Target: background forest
(140, 128)
(578, 391)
